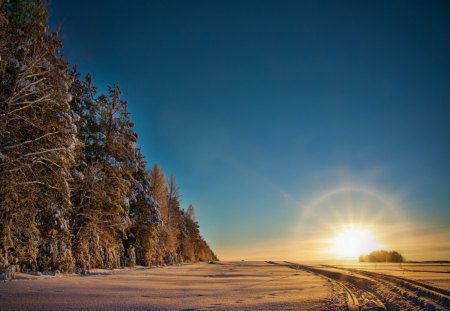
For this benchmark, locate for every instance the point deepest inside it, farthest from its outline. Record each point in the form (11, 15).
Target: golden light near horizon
(353, 241)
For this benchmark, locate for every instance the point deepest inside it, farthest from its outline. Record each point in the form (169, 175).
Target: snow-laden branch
(48, 160)
(39, 152)
(30, 141)
(35, 182)
(48, 166)
(32, 66)
(31, 103)
(16, 97)
(34, 75)
(19, 117)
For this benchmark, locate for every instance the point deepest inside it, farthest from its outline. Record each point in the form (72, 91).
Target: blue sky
(260, 107)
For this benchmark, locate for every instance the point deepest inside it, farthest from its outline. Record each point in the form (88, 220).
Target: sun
(353, 241)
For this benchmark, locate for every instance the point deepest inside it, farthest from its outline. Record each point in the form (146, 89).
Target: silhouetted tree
(382, 256)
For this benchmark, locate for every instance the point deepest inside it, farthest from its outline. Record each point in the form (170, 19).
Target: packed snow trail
(376, 291)
(358, 291)
(423, 295)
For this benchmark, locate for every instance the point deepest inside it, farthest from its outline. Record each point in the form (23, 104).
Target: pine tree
(103, 177)
(37, 141)
(160, 194)
(187, 236)
(87, 193)
(118, 163)
(173, 223)
(144, 215)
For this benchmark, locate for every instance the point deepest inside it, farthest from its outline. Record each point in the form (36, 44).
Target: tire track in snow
(420, 294)
(359, 291)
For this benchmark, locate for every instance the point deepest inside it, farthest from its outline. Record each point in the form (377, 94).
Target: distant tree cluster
(382, 256)
(75, 192)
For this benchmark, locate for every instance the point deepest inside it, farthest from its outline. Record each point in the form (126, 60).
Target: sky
(284, 122)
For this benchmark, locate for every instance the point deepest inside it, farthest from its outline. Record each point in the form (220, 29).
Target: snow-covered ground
(231, 285)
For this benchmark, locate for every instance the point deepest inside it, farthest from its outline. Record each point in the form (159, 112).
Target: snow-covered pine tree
(37, 141)
(187, 238)
(173, 223)
(87, 190)
(159, 192)
(103, 176)
(118, 166)
(144, 215)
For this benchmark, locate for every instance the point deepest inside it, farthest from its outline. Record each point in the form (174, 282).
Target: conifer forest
(75, 190)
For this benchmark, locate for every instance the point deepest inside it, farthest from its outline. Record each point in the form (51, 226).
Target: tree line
(75, 190)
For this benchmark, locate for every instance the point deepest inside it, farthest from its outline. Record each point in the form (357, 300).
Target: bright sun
(352, 242)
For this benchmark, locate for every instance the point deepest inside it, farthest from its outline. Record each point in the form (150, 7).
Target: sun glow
(352, 242)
